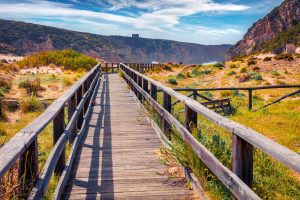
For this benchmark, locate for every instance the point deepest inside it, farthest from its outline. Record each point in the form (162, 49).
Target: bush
(233, 66)
(32, 86)
(287, 57)
(256, 76)
(195, 72)
(267, 59)
(172, 81)
(167, 67)
(255, 68)
(69, 59)
(219, 65)
(226, 93)
(231, 73)
(180, 76)
(4, 61)
(5, 81)
(251, 62)
(243, 70)
(188, 75)
(244, 78)
(275, 73)
(30, 104)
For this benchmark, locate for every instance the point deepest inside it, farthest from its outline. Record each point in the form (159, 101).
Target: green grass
(68, 59)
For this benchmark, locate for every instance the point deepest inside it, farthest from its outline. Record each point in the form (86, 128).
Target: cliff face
(23, 38)
(282, 19)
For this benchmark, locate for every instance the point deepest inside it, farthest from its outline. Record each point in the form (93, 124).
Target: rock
(283, 18)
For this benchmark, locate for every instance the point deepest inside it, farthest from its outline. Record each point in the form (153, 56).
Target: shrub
(219, 65)
(180, 76)
(275, 73)
(226, 93)
(172, 81)
(32, 86)
(231, 73)
(233, 66)
(3, 133)
(251, 62)
(287, 57)
(244, 78)
(267, 59)
(188, 75)
(243, 70)
(195, 72)
(256, 76)
(167, 67)
(3, 115)
(4, 61)
(30, 104)
(255, 68)
(5, 81)
(69, 59)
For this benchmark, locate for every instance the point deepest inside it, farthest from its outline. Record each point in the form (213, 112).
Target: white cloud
(160, 17)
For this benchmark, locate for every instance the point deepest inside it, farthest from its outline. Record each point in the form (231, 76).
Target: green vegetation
(230, 73)
(256, 76)
(267, 59)
(279, 42)
(196, 72)
(172, 81)
(30, 104)
(180, 76)
(219, 65)
(251, 62)
(243, 70)
(287, 57)
(32, 86)
(68, 59)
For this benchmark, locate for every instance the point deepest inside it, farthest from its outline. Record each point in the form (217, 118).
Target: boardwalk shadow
(101, 164)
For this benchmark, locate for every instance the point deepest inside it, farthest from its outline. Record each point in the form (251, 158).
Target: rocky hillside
(272, 33)
(23, 38)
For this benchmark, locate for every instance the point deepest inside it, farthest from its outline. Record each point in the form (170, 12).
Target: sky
(197, 21)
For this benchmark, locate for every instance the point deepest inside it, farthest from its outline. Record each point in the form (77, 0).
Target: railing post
(85, 89)
(153, 91)
(195, 95)
(168, 106)
(145, 85)
(58, 130)
(140, 83)
(80, 116)
(28, 169)
(190, 120)
(106, 67)
(71, 110)
(250, 99)
(242, 159)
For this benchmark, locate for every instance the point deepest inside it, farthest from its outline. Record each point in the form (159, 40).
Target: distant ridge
(23, 38)
(272, 33)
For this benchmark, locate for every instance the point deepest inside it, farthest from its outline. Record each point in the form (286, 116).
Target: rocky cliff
(272, 32)
(23, 38)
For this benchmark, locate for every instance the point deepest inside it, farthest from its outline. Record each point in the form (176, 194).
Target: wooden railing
(113, 67)
(244, 139)
(23, 147)
(248, 89)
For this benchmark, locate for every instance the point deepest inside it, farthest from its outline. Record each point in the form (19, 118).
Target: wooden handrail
(238, 88)
(24, 143)
(244, 138)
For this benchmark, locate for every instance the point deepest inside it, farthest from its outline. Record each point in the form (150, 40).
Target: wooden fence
(113, 67)
(23, 147)
(248, 89)
(244, 139)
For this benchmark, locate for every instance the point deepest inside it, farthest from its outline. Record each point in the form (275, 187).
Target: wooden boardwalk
(118, 157)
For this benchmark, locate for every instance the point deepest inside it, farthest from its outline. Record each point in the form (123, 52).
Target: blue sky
(197, 21)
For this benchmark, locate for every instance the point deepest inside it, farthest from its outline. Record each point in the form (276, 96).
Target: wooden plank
(277, 151)
(118, 153)
(237, 187)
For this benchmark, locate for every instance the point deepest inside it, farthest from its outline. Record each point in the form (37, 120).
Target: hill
(24, 38)
(272, 33)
